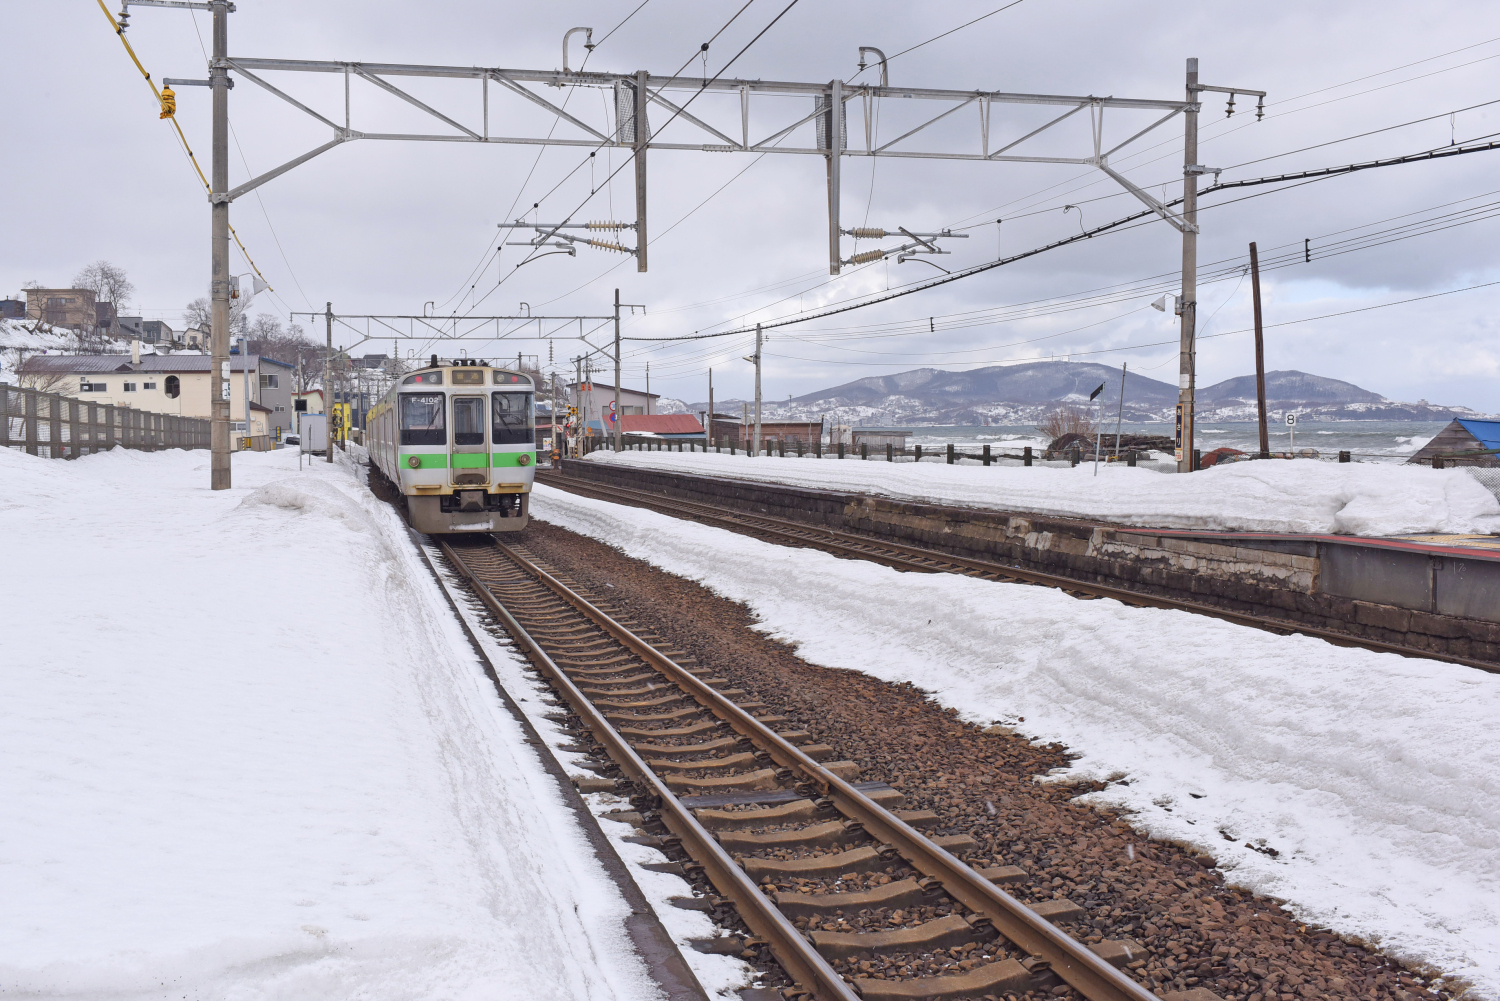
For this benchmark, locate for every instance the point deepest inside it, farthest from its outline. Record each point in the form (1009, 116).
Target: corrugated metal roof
(149, 363)
(660, 423)
(85, 364)
(1487, 433)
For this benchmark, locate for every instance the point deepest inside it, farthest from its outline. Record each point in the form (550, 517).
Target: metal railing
(54, 426)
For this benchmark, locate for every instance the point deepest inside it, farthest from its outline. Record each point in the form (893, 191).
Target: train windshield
(422, 419)
(513, 419)
(468, 420)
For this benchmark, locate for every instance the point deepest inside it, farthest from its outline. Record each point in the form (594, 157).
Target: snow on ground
(246, 752)
(1313, 497)
(1374, 777)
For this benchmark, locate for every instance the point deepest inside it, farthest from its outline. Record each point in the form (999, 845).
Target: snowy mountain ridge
(1023, 394)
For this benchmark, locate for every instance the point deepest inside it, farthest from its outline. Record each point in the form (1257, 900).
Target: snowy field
(246, 752)
(1374, 778)
(1311, 497)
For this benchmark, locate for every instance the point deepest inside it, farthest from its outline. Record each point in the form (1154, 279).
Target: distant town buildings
(149, 331)
(64, 307)
(169, 384)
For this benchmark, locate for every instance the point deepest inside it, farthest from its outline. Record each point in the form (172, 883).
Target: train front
(467, 454)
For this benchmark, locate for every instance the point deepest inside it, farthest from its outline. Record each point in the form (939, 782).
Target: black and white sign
(1291, 420)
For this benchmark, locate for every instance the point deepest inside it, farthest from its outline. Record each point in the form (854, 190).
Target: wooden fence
(63, 427)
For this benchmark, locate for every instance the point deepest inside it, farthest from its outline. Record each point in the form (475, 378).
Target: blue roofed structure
(1459, 442)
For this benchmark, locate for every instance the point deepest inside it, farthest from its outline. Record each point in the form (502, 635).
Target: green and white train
(459, 443)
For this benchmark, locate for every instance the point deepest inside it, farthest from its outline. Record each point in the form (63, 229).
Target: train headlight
(524, 459)
(414, 461)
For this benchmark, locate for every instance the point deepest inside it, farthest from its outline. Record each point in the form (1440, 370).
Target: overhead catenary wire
(181, 137)
(825, 282)
(673, 117)
(1115, 225)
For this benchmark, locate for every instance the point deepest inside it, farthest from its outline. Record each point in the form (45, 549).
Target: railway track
(827, 873)
(920, 560)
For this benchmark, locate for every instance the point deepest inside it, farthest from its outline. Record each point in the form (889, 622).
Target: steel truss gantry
(634, 92)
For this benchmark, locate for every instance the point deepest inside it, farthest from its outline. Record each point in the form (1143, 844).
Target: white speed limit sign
(1291, 420)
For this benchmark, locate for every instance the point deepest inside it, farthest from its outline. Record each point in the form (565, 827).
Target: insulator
(865, 233)
(608, 225)
(607, 245)
(867, 256)
(168, 102)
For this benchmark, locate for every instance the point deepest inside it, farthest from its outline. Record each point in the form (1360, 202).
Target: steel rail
(907, 558)
(795, 953)
(1070, 959)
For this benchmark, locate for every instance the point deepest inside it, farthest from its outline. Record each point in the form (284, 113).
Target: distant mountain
(1290, 388)
(1035, 382)
(1023, 394)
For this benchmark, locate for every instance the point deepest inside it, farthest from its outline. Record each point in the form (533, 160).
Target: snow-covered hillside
(20, 339)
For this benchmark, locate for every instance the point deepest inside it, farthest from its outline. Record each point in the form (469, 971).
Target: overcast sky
(384, 227)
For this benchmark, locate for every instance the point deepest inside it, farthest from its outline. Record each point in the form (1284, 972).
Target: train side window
(422, 419)
(468, 420)
(514, 422)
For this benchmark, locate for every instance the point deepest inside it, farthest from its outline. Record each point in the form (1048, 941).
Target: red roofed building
(665, 425)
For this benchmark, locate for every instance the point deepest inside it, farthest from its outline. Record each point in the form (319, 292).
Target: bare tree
(108, 283)
(1066, 420)
(199, 314)
(46, 382)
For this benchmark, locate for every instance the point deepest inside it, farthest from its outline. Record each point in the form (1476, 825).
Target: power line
(673, 117)
(1088, 234)
(950, 31)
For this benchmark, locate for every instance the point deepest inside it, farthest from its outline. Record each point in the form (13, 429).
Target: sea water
(1367, 441)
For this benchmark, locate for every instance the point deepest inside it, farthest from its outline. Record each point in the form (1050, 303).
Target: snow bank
(1375, 778)
(1309, 497)
(246, 752)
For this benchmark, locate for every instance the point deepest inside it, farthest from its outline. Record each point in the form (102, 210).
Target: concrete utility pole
(1187, 369)
(835, 126)
(218, 75)
(328, 383)
(639, 180)
(1188, 304)
(642, 137)
(757, 385)
(708, 429)
(648, 387)
(578, 403)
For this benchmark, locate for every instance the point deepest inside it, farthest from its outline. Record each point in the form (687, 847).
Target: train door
(469, 461)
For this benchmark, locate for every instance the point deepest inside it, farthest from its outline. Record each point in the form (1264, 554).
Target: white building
(175, 384)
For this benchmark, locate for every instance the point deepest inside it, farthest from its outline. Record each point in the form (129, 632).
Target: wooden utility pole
(757, 384)
(1260, 356)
